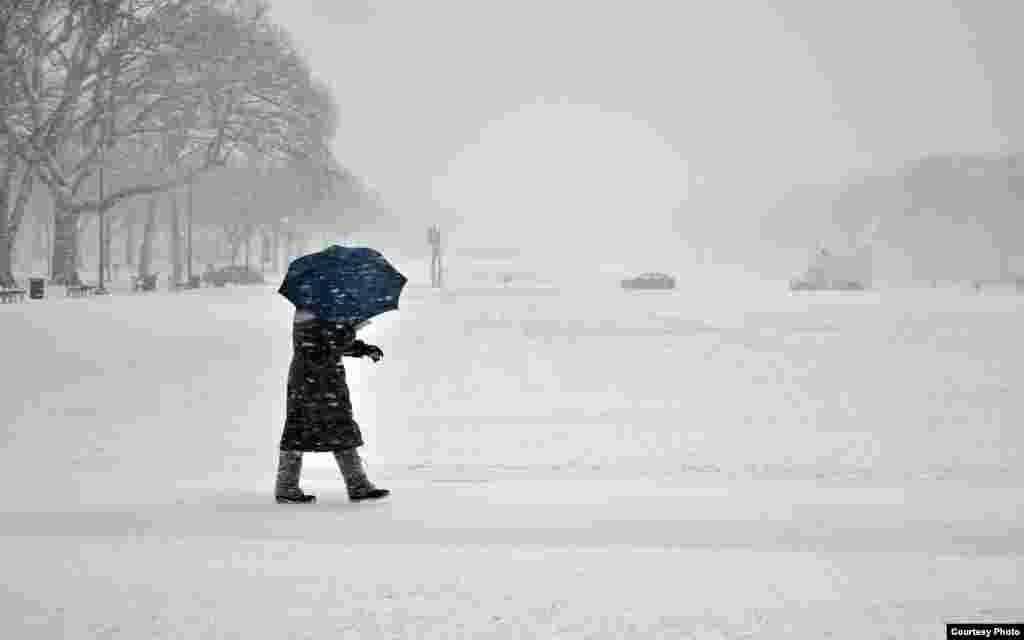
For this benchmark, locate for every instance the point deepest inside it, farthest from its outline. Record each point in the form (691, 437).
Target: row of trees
(108, 104)
(940, 217)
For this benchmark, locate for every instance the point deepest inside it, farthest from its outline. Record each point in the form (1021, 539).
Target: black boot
(359, 486)
(287, 491)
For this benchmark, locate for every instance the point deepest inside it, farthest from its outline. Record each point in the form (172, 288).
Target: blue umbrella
(343, 284)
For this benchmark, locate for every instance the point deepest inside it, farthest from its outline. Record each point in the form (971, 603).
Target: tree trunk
(47, 230)
(41, 227)
(108, 226)
(80, 227)
(65, 247)
(6, 257)
(176, 265)
(26, 257)
(129, 241)
(6, 270)
(16, 259)
(148, 231)
(14, 195)
(7, 175)
(235, 247)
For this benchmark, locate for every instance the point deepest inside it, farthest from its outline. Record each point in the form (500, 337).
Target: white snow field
(730, 463)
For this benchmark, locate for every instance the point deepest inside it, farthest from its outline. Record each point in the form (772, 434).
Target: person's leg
(352, 469)
(289, 468)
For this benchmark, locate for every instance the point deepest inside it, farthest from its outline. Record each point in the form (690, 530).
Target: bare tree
(199, 80)
(17, 18)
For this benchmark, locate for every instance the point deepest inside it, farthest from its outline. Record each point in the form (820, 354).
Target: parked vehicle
(812, 284)
(838, 285)
(835, 272)
(651, 280)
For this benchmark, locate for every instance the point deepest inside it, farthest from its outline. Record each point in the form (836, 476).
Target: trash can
(36, 288)
(193, 282)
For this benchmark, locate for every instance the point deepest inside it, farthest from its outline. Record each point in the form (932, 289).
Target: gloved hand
(374, 352)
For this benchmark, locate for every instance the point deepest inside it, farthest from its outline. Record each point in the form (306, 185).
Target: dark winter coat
(319, 410)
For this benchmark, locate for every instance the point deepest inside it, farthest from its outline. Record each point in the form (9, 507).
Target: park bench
(11, 294)
(192, 283)
(79, 290)
(216, 278)
(1016, 281)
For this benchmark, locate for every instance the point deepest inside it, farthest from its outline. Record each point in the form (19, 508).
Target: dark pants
(289, 468)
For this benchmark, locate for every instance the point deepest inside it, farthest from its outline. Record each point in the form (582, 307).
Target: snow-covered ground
(723, 462)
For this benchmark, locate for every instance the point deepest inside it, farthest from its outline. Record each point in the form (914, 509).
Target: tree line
(942, 211)
(112, 106)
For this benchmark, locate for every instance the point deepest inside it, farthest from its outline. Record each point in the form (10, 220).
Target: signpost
(434, 239)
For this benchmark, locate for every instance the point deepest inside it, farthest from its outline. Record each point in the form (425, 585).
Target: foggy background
(695, 126)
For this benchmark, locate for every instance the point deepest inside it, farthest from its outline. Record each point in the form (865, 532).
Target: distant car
(236, 274)
(835, 285)
(849, 285)
(650, 281)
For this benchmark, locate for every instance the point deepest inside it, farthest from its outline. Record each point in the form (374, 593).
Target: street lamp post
(101, 289)
(188, 246)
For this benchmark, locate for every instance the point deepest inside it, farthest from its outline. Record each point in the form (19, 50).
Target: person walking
(335, 292)
(319, 408)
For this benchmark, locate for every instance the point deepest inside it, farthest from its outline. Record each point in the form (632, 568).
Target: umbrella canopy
(343, 284)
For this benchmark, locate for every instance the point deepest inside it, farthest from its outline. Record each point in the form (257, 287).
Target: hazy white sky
(564, 111)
